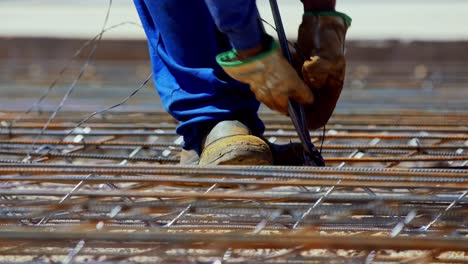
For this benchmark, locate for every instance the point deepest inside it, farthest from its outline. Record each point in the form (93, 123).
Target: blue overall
(184, 36)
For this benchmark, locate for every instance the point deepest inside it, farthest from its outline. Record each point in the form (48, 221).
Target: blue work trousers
(184, 37)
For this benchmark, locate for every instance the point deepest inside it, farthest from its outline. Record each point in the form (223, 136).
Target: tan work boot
(289, 154)
(230, 143)
(189, 157)
(320, 59)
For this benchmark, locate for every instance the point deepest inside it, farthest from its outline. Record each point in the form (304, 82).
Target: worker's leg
(183, 42)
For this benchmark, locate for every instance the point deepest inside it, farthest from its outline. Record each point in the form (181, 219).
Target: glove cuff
(331, 13)
(229, 58)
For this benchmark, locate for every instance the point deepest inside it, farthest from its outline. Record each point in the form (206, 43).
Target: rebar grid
(395, 191)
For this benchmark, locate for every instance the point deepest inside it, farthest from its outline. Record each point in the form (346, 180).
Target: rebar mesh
(395, 190)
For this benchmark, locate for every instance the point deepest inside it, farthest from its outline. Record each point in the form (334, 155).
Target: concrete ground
(397, 19)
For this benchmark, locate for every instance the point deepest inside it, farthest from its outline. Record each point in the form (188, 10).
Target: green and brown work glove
(320, 59)
(272, 79)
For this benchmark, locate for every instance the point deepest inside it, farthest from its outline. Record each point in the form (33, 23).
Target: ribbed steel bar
(272, 171)
(18, 150)
(351, 135)
(25, 142)
(286, 240)
(436, 157)
(312, 180)
(229, 207)
(415, 118)
(250, 195)
(272, 126)
(237, 225)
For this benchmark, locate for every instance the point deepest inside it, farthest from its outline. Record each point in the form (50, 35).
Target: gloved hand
(271, 78)
(320, 58)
